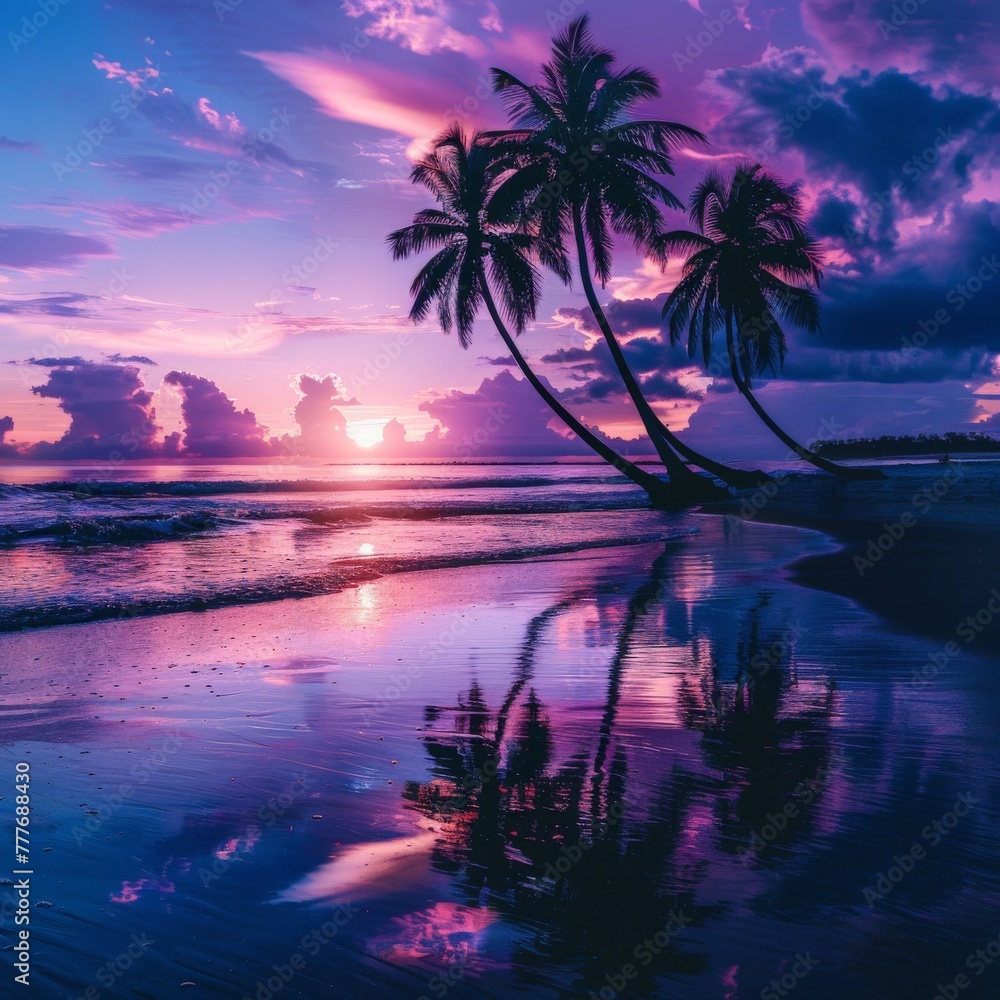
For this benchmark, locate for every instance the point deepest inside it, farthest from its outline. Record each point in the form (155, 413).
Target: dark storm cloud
(812, 364)
(625, 315)
(961, 35)
(648, 357)
(945, 296)
(885, 132)
(891, 160)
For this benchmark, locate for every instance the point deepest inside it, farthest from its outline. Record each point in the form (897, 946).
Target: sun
(366, 433)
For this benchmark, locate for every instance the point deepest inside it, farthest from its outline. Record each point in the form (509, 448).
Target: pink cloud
(228, 125)
(133, 77)
(380, 96)
(130, 323)
(422, 26)
(490, 21)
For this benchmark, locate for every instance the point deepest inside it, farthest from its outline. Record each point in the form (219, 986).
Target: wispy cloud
(36, 248)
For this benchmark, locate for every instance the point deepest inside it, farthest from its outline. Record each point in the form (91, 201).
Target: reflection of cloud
(131, 891)
(242, 845)
(448, 933)
(365, 871)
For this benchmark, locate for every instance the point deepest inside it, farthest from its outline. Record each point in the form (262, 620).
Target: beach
(608, 752)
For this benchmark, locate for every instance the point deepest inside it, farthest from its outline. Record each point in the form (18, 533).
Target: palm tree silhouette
(749, 268)
(587, 166)
(473, 231)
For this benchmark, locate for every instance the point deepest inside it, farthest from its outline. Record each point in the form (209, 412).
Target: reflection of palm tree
(763, 749)
(749, 269)
(520, 825)
(637, 609)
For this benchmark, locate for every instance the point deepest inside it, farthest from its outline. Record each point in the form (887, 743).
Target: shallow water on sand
(653, 771)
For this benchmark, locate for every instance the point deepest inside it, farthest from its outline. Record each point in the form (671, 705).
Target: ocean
(496, 731)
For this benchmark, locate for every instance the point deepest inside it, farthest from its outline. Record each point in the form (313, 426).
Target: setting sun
(366, 433)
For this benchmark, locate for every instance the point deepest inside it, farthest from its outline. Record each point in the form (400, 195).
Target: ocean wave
(111, 530)
(342, 574)
(132, 489)
(80, 526)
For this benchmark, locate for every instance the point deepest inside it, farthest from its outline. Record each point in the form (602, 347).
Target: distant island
(888, 446)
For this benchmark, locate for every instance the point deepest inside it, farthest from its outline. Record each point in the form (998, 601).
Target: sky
(196, 194)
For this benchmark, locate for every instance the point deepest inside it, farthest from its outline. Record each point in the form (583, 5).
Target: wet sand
(922, 550)
(502, 780)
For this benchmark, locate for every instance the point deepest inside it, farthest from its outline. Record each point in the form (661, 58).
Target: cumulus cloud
(503, 417)
(322, 427)
(109, 409)
(6, 426)
(213, 427)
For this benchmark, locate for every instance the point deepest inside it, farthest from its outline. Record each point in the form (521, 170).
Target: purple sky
(208, 185)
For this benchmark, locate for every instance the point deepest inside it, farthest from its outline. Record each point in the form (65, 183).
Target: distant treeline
(909, 444)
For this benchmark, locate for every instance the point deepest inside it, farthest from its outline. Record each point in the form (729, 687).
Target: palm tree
(473, 233)
(750, 268)
(586, 165)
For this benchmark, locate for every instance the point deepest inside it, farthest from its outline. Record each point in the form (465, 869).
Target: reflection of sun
(367, 433)
(367, 549)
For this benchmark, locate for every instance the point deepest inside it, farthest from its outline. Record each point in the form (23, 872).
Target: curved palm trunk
(738, 478)
(659, 492)
(680, 474)
(801, 450)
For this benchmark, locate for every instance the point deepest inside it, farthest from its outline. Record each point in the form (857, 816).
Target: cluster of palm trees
(575, 170)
